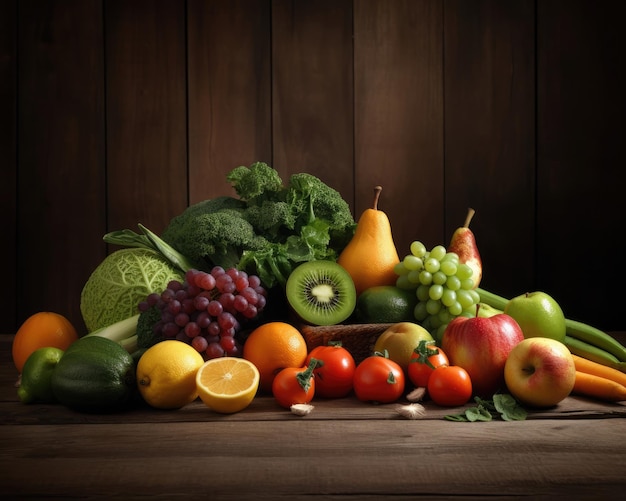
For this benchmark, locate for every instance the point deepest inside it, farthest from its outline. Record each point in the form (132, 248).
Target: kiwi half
(321, 292)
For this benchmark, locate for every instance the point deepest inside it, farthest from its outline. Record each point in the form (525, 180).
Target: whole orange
(274, 346)
(43, 329)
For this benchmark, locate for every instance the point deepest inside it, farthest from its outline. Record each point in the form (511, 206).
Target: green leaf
(478, 413)
(509, 408)
(128, 238)
(456, 417)
(503, 406)
(167, 251)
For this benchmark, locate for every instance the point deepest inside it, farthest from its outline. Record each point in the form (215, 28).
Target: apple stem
(468, 218)
(377, 190)
(477, 308)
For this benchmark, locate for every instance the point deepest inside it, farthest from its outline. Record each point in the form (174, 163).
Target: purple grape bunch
(208, 309)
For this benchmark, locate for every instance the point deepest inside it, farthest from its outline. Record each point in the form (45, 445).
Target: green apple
(400, 340)
(486, 311)
(538, 314)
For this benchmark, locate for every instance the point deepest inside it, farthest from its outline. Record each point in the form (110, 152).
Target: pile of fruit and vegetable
(279, 291)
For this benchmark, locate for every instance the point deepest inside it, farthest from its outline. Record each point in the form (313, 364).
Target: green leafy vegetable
(123, 332)
(146, 336)
(256, 183)
(151, 241)
(509, 408)
(123, 279)
(269, 229)
(503, 406)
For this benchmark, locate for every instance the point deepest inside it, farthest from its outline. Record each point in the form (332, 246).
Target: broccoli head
(214, 232)
(268, 229)
(256, 183)
(147, 335)
(272, 219)
(323, 202)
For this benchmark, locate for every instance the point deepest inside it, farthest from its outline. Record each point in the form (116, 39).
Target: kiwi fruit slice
(321, 292)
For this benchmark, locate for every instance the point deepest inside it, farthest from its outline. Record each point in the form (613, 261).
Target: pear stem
(468, 218)
(377, 190)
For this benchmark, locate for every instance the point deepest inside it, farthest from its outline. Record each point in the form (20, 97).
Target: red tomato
(450, 386)
(424, 360)
(378, 379)
(294, 385)
(334, 372)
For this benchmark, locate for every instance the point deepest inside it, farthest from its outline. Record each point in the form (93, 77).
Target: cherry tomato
(450, 386)
(378, 379)
(294, 385)
(424, 360)
(334, 372)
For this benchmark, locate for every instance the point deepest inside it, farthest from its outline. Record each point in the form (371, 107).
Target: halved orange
(227, 384)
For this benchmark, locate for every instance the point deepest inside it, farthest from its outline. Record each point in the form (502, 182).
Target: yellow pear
(371, 255)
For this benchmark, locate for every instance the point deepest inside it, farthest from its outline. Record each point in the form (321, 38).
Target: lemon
(385, 304)
(227, 384)
(166, 374)
(36, 381)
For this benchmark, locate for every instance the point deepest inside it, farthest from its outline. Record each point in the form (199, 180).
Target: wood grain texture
(146, 113)
(344, 448)
(490, 135)
(8, 158)
(299, 457)
(312, 91)
(229, 88)
(399, 116)
(61, 176)
(580, 167)
(125, 112)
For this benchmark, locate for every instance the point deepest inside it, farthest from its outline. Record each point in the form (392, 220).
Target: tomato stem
(304, 378)
(425, 352)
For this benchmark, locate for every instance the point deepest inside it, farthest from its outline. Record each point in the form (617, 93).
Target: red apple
(481, 346)
(540, 372)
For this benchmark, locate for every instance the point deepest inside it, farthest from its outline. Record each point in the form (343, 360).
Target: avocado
(95, 374)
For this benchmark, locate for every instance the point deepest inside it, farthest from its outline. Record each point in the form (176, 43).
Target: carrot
(590, 367)
(590, 385)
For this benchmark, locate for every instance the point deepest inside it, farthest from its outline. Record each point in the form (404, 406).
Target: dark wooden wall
(116, 112)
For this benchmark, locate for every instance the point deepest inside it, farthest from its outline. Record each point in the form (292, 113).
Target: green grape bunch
(443, 285)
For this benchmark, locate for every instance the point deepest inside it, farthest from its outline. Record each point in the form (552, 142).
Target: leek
(123, 332)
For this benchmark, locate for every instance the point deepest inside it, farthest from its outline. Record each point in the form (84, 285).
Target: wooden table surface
(344, 449)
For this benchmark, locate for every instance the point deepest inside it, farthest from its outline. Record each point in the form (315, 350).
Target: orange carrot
(590, 367)
(590, 385)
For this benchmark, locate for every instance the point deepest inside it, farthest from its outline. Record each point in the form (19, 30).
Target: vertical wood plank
(580, 158)
(60, 191)
(8, 160)
(489, 135)
(312, 90)
(229, 91)
(146, 112)
(399, 115)
(285, 81)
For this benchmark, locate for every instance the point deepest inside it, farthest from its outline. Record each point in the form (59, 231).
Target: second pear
(463, 243)
(371, 255)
